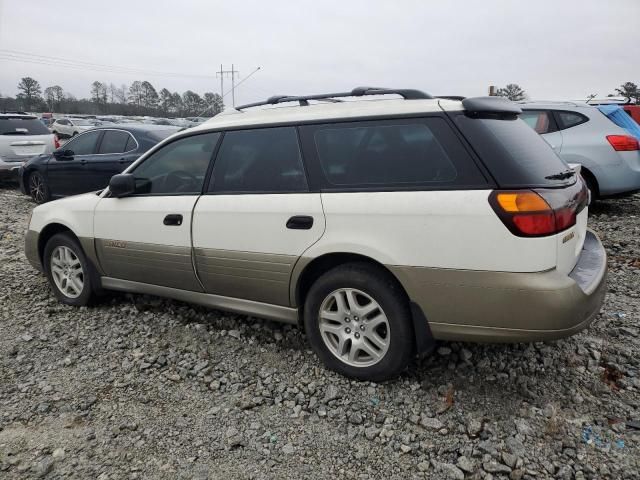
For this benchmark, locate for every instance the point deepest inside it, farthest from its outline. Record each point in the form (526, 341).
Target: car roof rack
(451, 97)
(303, 100)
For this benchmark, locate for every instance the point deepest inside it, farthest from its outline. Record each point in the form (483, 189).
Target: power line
(25, 57)
(233, 88)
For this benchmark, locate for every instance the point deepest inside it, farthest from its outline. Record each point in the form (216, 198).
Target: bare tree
(513, 92)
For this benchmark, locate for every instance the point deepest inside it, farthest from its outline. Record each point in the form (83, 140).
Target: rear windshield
(22, 126)
(514, 153)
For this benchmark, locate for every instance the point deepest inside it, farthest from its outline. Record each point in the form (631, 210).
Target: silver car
(22, 136)
(580, 133)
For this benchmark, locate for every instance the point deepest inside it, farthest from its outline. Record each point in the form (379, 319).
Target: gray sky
(555, 49)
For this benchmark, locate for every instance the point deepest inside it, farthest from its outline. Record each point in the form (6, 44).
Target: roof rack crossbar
(303, 100)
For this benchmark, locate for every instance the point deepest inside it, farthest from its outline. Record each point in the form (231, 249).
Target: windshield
(22, 126)
(514, 153)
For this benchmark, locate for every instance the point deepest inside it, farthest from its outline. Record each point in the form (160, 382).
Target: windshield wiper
(562, 175)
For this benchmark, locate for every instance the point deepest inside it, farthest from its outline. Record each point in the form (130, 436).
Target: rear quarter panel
(439, 229)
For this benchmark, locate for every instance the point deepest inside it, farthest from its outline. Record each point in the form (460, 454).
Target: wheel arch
(306, 271)
(590, 177)
(49, 231)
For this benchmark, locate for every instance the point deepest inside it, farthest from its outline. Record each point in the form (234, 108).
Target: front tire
(68, 271)
(38, 188)
(358, 321)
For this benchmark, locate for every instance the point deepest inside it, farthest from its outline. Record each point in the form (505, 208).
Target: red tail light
(529, 213)
(623, 143)
(56, 142)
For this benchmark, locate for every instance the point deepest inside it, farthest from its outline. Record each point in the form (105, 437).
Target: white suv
(378, 225)
(22, 136)
(70, 127)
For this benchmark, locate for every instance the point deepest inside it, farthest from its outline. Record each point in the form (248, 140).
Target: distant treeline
(139, 98)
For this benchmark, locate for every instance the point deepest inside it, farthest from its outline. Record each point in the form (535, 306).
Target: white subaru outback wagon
(377, 223)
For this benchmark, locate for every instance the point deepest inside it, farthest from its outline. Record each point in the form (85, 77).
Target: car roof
(137, 127)
(294, 113)
(552, 105)
(17, 115)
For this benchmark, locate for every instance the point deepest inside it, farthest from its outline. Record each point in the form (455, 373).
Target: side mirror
(63, 154)
(122, 185)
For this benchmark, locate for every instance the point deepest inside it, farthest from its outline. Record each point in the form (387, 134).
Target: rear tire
(68, 271)
(38, 188)
(358, 321)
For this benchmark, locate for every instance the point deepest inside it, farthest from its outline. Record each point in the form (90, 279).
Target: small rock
(331, 393)
(444, 351)
(495, 467)
(58, 454)
(288, 449)
(474, 427)
(466, 465)
(234, 333)
(431, 423)
(405, 448)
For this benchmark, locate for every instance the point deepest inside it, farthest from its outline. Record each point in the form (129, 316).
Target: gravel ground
(140, 387)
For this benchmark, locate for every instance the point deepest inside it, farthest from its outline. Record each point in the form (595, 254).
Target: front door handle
(300, 222)
(173, 219)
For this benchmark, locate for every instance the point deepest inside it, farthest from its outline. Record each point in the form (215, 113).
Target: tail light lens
(541, 212)
(56, 142)
(623, 143)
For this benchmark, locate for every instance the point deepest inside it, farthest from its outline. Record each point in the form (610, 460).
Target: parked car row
(379, 226)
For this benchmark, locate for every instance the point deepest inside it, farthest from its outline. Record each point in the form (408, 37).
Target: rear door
(257, 217)
(116, 151)
(68, 175)
(544, 122)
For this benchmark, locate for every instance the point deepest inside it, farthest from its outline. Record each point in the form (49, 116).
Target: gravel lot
(139, 387)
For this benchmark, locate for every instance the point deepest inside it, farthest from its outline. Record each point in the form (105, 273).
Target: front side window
(115, 141)
(84, 144)
(539, 120)
(394, 154)
(177, 168)
(259, 161)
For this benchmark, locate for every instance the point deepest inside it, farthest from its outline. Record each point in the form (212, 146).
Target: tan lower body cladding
(466, 305)
(260, 277)
(168, 266)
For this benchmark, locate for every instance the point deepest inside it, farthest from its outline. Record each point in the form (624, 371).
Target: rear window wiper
(562, 175)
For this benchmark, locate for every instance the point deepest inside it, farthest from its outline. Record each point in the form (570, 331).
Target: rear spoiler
(490, 105)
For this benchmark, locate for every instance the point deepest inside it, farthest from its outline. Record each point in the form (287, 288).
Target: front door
(257, 217)
(67, 175)
(147, 237)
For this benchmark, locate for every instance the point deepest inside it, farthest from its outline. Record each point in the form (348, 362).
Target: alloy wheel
(354, 327)
(37, 188)
(67, 271)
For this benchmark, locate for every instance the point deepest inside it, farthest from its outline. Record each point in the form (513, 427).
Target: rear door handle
(173, 219)
(300, 222)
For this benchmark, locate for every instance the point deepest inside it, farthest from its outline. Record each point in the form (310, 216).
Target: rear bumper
(510, 307)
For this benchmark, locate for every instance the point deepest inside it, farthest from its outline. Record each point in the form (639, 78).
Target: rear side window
(22, 126)
(393, 154)
(570, 119)
(514, 153)
(540, 120)
(115, 141)
(263, 160)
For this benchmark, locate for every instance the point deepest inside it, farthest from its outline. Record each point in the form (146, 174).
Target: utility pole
(233, 73)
